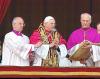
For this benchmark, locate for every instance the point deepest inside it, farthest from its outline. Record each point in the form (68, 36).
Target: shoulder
(76, 31)
(25, 36)
(92, 28)
(35, 33)
(10, 34)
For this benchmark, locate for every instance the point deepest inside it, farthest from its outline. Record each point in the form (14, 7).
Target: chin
(20, 30)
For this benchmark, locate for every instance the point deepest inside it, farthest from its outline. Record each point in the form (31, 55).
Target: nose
(85, 21)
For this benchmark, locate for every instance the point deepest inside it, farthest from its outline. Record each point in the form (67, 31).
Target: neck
(86, 28)
(17, 33)
(16, 30)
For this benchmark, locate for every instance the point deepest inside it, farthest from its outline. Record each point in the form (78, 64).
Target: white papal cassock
(15, 50)
(42, 52)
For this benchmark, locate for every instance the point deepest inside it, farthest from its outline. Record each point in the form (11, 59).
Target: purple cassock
(82, 34)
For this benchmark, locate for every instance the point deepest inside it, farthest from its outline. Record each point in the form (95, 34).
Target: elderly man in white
(16, 45)
(82, 35)
(53, 51)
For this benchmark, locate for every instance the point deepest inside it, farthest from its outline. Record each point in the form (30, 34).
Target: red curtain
(4, 4)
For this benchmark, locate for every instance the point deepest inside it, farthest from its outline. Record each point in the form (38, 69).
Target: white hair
(48, 18)
(87, 15)
(14, 19)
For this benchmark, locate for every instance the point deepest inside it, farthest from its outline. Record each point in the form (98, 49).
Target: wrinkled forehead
(19, 20)
(85, 17)
(51, 21)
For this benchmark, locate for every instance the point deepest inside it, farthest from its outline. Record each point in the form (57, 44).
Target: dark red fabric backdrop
(4, 4)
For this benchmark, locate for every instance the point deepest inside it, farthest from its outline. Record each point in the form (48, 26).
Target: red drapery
(4, 4)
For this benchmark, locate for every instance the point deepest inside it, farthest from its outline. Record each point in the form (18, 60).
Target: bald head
(18, 24)
(85, 20)
(49, 23)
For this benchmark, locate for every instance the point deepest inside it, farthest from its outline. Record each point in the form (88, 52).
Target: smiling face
(85, 20)
(18, 24)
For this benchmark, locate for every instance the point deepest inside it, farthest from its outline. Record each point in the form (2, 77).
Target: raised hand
(86, 44)
(52, 44)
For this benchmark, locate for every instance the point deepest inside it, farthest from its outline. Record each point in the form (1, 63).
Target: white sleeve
(63, 51)
(73, 49)
(42, 51)
(63, 61)
(96, 53)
